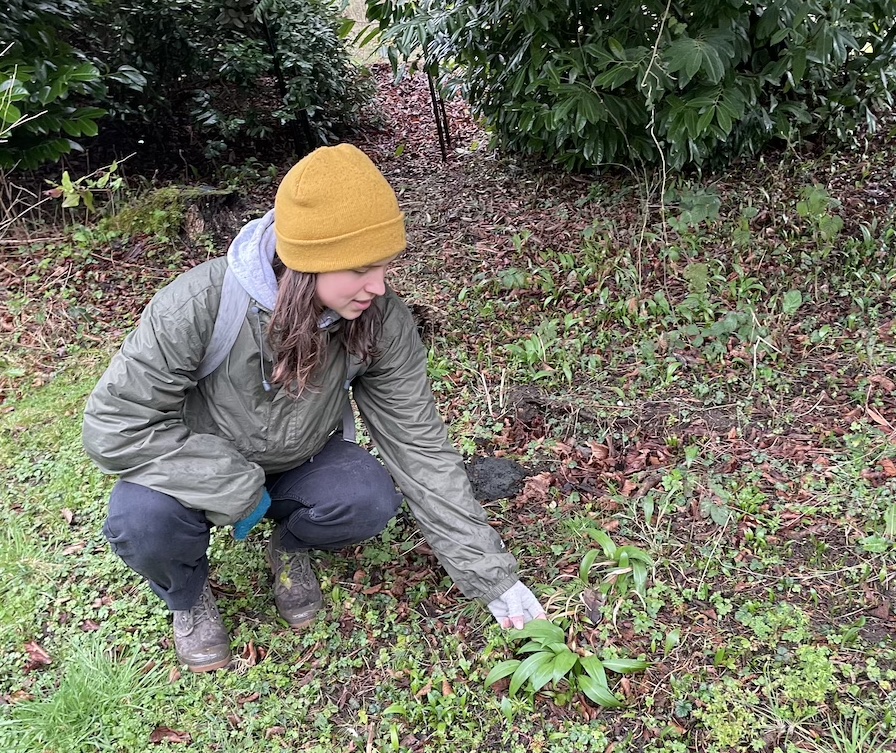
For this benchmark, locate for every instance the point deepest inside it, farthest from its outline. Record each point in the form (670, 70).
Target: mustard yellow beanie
(334, 210)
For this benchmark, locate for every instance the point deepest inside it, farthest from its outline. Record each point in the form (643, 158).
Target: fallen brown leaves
(37, 657)
(252, 654)
(168, 735)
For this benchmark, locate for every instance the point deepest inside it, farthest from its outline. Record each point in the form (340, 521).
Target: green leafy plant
(567, 669)
(163, 67)
(240, 71)
(436, 705)
(696, 206)
(692, 82)
(81, 191)
(855, 738)
(621, 570)
(556, 348)
(626, 568)
(48, 87)
(11, 90)
(729, 716)
(818, 210)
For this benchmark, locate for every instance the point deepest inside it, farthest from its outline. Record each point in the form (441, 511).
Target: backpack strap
(228, 321)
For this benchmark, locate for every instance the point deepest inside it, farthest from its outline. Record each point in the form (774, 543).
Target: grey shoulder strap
(228, 321)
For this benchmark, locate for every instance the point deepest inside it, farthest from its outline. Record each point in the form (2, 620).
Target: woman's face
(351, 292)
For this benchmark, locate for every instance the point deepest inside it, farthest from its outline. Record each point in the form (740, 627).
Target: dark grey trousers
(339, 497)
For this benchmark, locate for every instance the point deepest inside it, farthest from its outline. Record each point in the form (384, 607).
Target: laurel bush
(694, 82)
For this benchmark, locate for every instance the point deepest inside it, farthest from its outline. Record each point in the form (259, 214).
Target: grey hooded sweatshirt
(210, 443)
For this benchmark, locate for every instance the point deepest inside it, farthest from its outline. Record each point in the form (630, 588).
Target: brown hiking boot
(296, 590)
(200, 638)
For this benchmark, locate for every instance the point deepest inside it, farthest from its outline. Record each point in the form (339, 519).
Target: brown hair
(298, 341)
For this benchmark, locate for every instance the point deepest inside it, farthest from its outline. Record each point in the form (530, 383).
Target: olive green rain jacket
(209, 444)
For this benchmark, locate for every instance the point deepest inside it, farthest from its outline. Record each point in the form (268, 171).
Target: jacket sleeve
(397, 405)
(133, 423)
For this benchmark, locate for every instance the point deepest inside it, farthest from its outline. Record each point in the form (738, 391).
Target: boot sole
(198, 668)
(304, 622)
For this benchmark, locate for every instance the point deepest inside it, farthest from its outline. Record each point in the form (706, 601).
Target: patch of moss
(159, 213)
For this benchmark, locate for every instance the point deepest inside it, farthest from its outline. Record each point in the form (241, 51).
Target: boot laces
(206, 610)
(297, 568)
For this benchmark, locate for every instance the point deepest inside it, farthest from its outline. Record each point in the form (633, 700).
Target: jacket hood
(250, 256)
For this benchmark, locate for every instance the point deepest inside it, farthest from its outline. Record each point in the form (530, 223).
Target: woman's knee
(349, 514)
(342, 496)
(371, 512)
(143, 523)
(358, 511)
(370, 490)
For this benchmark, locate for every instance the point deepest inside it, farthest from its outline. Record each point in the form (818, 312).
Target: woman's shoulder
(396, 314)
(399, 335)
(202, 282)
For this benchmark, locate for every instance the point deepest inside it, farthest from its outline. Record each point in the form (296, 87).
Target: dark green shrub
(208, 74)
(691, 83)
(46, 86)
(232, 70)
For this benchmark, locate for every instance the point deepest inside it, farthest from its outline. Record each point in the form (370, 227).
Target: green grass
(677, 394)
(100, 704)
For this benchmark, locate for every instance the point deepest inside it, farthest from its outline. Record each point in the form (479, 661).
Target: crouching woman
(208, 424)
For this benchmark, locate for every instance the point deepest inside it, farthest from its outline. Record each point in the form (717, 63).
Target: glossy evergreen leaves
(689, 83)
(552, 662)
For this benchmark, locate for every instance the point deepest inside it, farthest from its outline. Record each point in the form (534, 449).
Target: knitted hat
(334, 211)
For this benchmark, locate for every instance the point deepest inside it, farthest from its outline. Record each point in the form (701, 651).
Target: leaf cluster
(627, 566)
(46, 85)
(80, 191)
(234, 69)
(226, 71)
(553, 661)
(689, 83)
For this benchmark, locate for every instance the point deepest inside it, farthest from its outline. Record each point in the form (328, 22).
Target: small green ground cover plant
(726, 427)
(553, 661)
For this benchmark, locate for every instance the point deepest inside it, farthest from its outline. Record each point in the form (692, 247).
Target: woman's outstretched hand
(516, 606)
